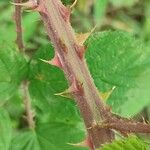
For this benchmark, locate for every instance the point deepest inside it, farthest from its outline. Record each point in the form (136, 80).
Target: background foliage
(117, 56)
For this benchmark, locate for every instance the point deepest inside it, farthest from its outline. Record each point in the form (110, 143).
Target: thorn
(107, 94)
(81, 38)
(86, 143)
(55, 62)
(66, 94)
(81, 144)
(45, 61)
(75, 86)
(93, 29)
(40, 9)
(31, 4)
(143, 120)
(74, 4)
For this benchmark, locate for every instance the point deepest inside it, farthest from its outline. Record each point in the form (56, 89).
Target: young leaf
(5, 130)
(131, 143)
(117, 59)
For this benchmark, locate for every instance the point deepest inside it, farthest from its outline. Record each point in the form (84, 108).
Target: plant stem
(28, 107)
(20, 44)
(67, 50)
(19, 39)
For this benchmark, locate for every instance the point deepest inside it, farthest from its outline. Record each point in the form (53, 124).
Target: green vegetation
(117, 55)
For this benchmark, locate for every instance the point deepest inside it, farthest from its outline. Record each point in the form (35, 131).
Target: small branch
(28, 107)
(125, 125)
(19, 39)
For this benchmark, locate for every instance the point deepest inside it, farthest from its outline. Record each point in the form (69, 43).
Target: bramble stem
(19, 39)
(93, 110)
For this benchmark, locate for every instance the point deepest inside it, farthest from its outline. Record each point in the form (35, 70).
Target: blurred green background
(132, 16)
(129, 15)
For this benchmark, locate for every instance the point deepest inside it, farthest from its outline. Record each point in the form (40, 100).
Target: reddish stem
(68, 51)
(18, 16)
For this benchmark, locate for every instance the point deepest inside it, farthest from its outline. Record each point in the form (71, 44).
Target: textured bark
(69, 54)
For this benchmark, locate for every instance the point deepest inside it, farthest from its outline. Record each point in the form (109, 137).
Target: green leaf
(7, 26)
(131, 143)
(46, 81)
(50, 136)
(117, 59)
(4, 76)
(8, 30)
(13, 69)
(5, 130)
